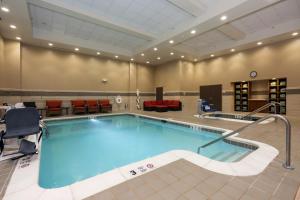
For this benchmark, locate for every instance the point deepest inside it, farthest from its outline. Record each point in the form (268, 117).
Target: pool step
(217, 155)
(230, 157)
(226, 156)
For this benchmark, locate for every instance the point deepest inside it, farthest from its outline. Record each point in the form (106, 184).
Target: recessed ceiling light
(131, 59)
(295, 34)
(195, 60)
(223, 18)
(142, 54)
(12, 26)
(4, 9)
(259, 43)
(50, 44)
(148, 62)
(171, 41)
(18, 38)
(116, 56)
(232, 50)
(76, 49)
(193, 31)
(98, 53)
(155, 49)
(171, 53)
(212, 55)
(182, 56)
(158, 58)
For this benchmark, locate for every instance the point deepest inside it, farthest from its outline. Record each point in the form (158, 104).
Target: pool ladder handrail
(287, 123)
(43, 126)
(262, 108)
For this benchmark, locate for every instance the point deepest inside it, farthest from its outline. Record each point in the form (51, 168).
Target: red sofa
(162, 105)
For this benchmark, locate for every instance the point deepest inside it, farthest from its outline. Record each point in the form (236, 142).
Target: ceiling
(129, 28)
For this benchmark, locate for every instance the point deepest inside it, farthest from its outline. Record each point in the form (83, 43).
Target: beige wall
(34, 68)
(1, 62)
(11, 65)
(31, 68)
(277, 60)
(58, 70)
(168, 76)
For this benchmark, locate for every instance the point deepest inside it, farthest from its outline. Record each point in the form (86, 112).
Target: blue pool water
(82, 148)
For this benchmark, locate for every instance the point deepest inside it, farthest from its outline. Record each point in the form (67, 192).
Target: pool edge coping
(252, 164)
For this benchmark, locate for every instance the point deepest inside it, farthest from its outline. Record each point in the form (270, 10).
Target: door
(212, 94)
(159, 93)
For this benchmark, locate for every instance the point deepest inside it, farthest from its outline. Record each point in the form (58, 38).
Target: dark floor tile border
(240, 144)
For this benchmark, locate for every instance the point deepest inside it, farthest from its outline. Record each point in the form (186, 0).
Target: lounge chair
(53, 107)
(78, 106)
(105, 106)
(92, 106)
(20, 123)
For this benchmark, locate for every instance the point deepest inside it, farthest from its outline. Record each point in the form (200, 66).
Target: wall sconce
(104, 80)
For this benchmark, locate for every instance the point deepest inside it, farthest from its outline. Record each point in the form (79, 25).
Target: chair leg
(18, 157)
(1, 146)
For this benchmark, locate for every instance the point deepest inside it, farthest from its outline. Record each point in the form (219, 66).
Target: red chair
(92, 106)
(105, 106)
(78, 106)
(53, 107)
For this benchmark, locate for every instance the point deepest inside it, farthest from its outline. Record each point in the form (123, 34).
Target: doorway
(212, 94)
(159, 93)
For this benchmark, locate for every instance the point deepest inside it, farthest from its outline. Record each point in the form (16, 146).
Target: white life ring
(118, 99)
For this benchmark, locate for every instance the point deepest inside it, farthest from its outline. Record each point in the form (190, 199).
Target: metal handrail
(261, 108)
(287, 163)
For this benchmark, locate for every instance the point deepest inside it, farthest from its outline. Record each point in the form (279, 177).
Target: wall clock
(253, 74)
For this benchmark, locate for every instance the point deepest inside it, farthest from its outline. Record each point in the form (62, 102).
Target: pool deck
(183, 180)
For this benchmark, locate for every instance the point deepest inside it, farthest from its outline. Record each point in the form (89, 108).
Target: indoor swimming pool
(77, 149)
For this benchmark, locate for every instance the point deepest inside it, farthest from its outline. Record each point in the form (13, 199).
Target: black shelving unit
(241, 96)
(277, 93)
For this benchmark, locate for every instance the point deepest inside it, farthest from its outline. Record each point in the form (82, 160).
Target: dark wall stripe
(47, 93)
(64, 93)
(228, 93)
(293, 91)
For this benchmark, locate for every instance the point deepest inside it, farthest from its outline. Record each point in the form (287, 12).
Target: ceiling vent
(232, 32)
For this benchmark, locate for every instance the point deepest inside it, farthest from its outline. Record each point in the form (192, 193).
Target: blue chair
(206, 107)
(20, 123)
